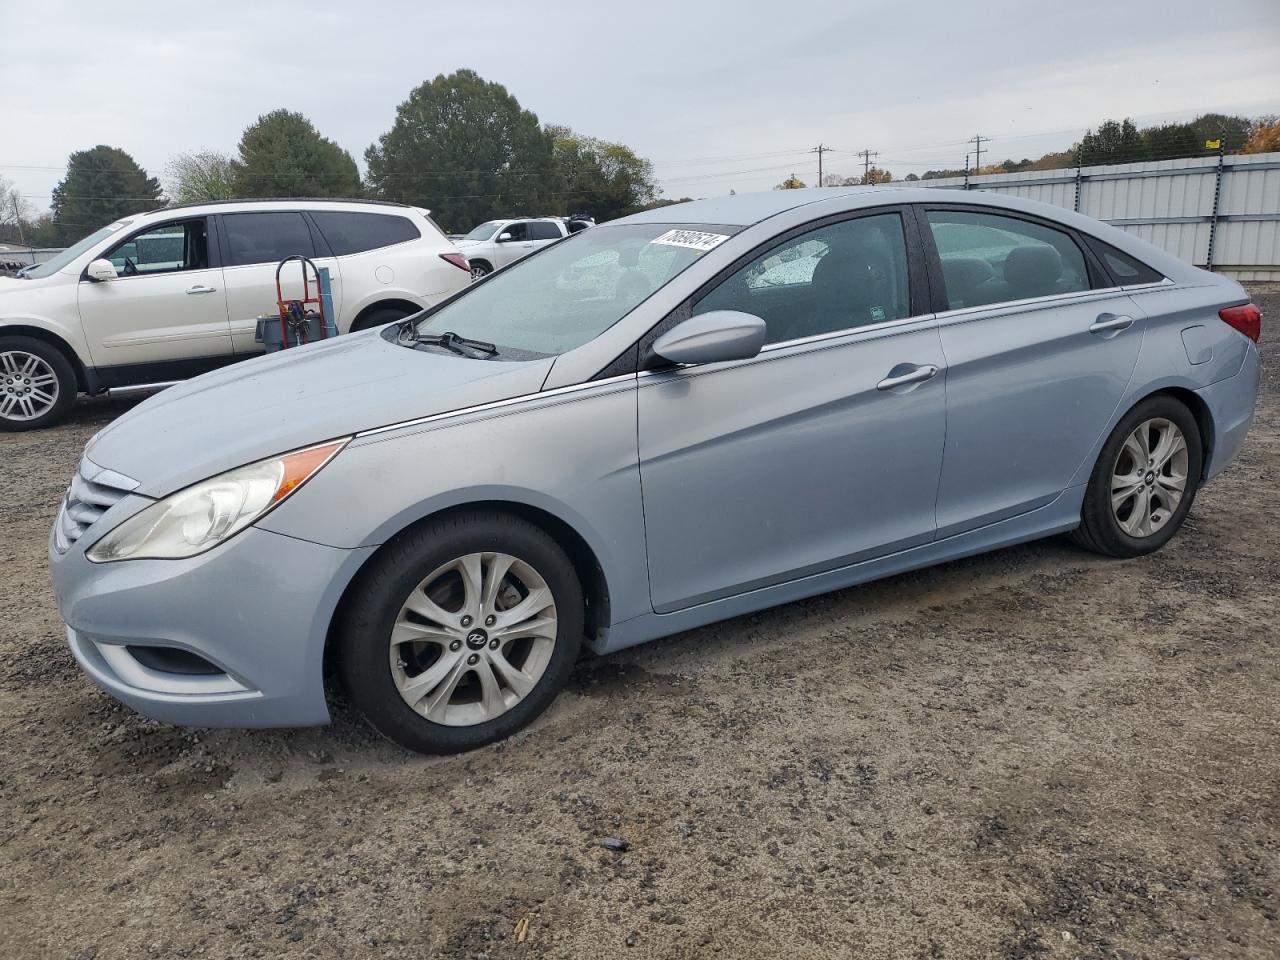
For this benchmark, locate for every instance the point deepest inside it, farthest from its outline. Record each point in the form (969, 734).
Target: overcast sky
(719, 95)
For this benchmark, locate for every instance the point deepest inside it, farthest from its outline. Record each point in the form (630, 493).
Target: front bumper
(256, 608)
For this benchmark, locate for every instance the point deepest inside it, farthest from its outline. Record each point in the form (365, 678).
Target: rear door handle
(1110, 323)
(907, 375)
(199, 289)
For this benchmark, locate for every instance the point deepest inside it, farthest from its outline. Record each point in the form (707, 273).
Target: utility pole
(820, 149)
(17, 219)
(977, 152)
(866, 156)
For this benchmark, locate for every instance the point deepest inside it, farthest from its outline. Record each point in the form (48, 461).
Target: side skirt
(166, 371)
(1061, 515)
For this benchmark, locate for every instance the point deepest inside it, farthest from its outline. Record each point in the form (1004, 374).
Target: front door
(822, 451)
(166, 306)
(1037, 362)
(518, 245)
(253, 245)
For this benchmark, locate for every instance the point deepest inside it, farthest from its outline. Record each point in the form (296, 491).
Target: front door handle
(1109, 323)
(907, 375)
(199, 289)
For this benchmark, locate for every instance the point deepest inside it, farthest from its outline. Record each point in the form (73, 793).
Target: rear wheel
(37, 384)
(461, 633)
(1144, 482)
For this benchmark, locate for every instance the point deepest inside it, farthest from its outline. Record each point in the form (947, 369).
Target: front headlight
(202, 516)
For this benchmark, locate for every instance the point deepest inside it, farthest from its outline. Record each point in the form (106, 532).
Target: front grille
(94, 491)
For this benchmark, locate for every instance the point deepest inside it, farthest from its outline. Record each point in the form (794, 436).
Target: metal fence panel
(1169, 203)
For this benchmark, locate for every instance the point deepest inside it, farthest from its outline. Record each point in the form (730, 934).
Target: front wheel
(462, 633)
(37, 384)
(1144, 481)
(480, 270)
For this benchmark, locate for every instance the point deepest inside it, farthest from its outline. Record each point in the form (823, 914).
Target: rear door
(822, 451)
(167, 304)
(253, 244)
(1040, 348)
(544, 233)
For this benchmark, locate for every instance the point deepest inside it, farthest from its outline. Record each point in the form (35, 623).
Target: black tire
(365, 625)
(1099, 529)
(62, 370)
(479, 269)
(379, 318)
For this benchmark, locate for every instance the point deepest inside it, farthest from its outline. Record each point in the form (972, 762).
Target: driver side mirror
(101, 270)
(504, 238)
(712, 338)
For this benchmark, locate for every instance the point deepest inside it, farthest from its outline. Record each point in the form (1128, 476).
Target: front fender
(571, 456)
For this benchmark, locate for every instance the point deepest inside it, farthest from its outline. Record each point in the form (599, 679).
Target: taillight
(457, 259)
(1247, 319)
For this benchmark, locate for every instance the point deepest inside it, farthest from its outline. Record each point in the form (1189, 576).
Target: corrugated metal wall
(1170, 203)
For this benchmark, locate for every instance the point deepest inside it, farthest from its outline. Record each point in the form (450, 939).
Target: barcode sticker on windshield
(693, 239)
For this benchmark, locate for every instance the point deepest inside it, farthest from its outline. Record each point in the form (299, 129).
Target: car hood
(463, 244)
(294, 398)
(12, 289)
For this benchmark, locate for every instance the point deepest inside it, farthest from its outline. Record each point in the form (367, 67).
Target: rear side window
(1124, 269)
(543, 230)
(988, 258)
(348, 233)
(266, 237)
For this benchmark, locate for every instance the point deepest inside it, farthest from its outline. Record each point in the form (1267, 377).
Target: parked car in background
(162, 296)
(497, 243)
(733, 403)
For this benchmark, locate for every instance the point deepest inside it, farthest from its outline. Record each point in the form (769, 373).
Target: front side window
(543, 230)
(348, 233)
(168, 248)
(515, 232)
(840, 276)
(266, 237)
(569, 293)
(988, 258)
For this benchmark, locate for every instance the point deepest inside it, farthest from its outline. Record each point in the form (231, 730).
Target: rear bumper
(1231, 406)
(257, 609)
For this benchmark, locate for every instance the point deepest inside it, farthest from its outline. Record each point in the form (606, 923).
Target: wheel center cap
(477, 639)
(1149, 479)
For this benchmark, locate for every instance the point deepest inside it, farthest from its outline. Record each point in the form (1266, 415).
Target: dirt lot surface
(1036, 753)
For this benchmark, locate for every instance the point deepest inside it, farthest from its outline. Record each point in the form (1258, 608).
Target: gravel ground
(1036, 753)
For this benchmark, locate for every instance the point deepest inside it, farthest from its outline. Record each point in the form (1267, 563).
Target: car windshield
(50, 267)
(484, 231)
(572, 292)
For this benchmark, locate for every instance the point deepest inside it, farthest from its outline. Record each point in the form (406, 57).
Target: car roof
(280, 203)
(745, 209)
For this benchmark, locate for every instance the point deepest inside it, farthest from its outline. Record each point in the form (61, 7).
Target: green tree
(199, 176)
(791, 183)
(465, 148)
(101, 185)
(283, 155)
(604, 179)
(1114, 141)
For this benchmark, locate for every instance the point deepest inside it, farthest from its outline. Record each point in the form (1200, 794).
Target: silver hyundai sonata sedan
(671, 419)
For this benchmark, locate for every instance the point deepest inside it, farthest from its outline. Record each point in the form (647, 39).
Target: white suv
(496, 243)
(165, 295)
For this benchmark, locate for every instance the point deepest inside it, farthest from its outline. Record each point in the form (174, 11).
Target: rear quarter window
(348, 233)
(1124, 269)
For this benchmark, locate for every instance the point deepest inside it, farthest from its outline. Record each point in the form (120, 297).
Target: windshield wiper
(451, 342)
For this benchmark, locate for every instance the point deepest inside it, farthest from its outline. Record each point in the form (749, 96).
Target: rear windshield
(575, 289)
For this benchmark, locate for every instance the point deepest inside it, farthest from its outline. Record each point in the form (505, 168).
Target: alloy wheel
(28, 386)
(473, 639)
(1149, 478)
